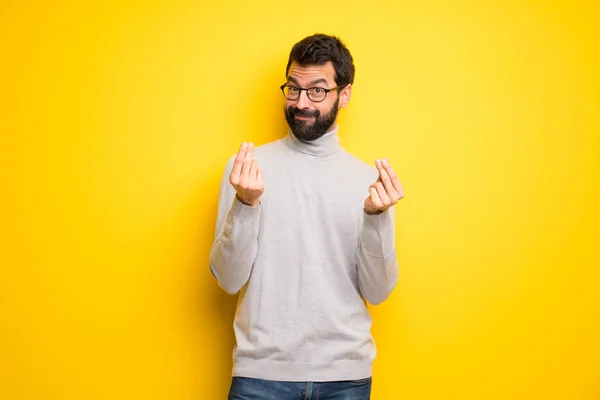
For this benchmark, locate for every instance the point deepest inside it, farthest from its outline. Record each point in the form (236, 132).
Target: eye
(317, 90)
(292, 88)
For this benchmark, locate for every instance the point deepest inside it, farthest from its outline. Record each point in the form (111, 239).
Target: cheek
(326, 109)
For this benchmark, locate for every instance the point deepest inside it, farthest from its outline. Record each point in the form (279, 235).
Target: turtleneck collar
(324, 146)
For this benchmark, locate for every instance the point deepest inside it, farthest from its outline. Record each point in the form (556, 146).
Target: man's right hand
(246, 177)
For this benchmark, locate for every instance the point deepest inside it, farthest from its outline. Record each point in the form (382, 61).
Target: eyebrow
(320, 80)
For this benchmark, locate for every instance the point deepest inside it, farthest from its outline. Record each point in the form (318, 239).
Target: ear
(345, 96)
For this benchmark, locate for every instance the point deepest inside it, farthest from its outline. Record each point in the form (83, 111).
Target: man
(303, 246)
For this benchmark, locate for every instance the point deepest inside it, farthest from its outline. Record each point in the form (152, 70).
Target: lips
(304, 114)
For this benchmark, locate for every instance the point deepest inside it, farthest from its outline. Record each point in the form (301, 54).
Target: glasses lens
(291, 92)
(316, 94)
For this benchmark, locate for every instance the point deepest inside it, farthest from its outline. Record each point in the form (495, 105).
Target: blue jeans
(260, 389)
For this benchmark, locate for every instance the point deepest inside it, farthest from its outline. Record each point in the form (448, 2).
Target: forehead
(306, 74)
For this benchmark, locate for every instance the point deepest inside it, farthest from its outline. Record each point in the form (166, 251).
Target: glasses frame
(282, 87)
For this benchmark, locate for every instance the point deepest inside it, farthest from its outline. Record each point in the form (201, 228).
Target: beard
(308, 130)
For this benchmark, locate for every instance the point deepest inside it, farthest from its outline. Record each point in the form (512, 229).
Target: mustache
(293, 111)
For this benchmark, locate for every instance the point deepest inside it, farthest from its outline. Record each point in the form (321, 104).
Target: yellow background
(116, 121)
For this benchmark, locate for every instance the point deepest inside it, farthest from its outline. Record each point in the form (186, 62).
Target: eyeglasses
(315, 94)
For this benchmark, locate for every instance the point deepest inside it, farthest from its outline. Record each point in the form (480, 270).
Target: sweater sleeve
(236, 238)
(376, 257)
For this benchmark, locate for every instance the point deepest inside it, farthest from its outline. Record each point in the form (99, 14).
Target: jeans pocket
(362, 381)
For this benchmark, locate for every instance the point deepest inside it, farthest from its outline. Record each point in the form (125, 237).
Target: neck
(324, 146)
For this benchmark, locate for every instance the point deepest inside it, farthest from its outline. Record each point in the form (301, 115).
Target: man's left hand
(386, 191)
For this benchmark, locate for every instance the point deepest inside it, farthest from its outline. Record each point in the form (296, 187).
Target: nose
(303, 101)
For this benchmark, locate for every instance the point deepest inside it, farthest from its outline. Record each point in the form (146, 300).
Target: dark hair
(318, 49)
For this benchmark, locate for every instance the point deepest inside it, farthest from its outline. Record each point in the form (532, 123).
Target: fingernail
(244, 144)
(251, 144)
(377, 161)
(385, 161)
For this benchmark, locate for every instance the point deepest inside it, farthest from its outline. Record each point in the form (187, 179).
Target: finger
(259, 175)
(375, 200)
(385, 178)
(393, 177)
(252, 173)
(247, 162)
(239, 160)
(385, 199)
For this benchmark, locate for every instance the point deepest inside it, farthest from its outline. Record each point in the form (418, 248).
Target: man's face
(307, 119)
